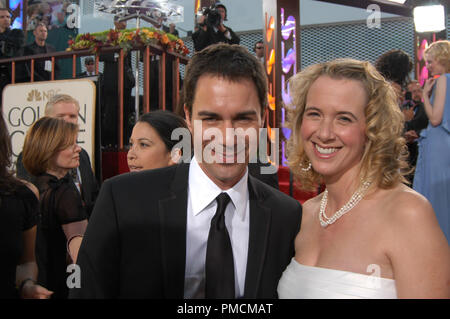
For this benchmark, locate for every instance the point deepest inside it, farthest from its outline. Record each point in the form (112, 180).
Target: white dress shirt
(202, 206)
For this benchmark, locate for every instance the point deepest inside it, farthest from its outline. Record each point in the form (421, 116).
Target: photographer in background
(11, 45)
(211, 28)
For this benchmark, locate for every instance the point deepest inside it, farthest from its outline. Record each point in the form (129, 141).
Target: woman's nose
(326, 130)
(131, 154)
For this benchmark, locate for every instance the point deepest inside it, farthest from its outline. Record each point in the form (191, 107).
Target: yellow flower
(165, 39)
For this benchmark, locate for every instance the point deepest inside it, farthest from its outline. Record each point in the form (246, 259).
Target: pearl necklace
(354, 200)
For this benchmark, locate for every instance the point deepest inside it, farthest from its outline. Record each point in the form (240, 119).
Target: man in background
(110, 105)
(171, 29)
(259, 50)
(42, 68)
(89, 64)
(212, 30)
(11, 45)
(415, 121)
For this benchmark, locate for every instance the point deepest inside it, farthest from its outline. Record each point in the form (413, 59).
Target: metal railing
(147, 53)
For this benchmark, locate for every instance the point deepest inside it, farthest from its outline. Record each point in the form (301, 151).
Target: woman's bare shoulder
(409, 215)
(406, 203)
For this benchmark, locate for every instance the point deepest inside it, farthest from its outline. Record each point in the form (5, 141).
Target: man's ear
(187, 116)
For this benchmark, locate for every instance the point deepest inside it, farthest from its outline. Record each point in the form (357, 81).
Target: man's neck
(40, 43)
(2, 30)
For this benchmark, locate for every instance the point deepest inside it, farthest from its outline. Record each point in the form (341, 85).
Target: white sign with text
(24, 103)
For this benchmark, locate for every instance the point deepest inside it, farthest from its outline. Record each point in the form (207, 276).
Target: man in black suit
(150, 235)
(42, 68)
(66, 107)
(11, 45)
(110, 104)
(89, 64)
(211, 29)
(415, 121)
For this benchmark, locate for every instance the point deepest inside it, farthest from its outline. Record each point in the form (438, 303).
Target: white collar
(208, 190)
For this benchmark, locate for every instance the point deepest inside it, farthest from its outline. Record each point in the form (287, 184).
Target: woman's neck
(341, 190)
(58, 172)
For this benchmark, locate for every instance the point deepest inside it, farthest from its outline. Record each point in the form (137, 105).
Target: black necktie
(219, 255)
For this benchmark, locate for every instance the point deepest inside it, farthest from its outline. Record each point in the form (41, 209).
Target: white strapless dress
(307, 282)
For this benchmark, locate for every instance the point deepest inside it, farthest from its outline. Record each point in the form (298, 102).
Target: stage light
(429, 18)
(398, 1)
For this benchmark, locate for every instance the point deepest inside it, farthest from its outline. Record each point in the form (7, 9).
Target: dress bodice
(308, 282)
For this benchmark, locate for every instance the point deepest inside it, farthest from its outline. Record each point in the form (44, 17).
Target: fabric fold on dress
(308, 282)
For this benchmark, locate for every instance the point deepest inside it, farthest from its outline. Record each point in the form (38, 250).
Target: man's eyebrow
(207, 113)
(239, 114)
(246, 113)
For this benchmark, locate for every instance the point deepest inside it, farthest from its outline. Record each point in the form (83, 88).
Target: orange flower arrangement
(128, 38)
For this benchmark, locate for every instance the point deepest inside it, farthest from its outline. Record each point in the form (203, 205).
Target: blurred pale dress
(432, 176)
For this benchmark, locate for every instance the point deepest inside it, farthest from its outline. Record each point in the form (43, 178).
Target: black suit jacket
(89, 184)
(85, 74)
(202, 38)
(417, 123)
(135, 243)
(40, 74)
(254, 169)
(420, 119)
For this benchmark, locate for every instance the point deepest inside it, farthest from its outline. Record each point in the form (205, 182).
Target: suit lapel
(260, 216)
(173, 215)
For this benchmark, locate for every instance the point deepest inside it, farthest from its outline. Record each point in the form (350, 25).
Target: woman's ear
(175, 156)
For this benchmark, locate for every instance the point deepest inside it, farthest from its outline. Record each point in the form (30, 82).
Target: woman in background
(367, 235)
(50, 153)
(19, 207)
(151, 145)
(432, 177)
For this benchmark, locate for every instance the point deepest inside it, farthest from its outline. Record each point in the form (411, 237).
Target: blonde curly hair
(383, 161)
(440, 51)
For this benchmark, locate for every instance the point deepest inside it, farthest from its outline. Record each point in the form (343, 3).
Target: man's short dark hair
(40, 24)
(6, 9)
(225, 8)
(231, 62)
(89, 60)
(256, 43)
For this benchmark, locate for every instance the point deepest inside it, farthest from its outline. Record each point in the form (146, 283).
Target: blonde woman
(432, 177)
(367, 235)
